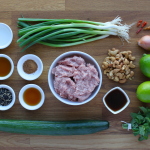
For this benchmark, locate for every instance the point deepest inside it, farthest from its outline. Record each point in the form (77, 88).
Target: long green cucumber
(80, 127)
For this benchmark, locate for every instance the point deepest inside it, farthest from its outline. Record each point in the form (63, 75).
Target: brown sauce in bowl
(115, 100)
(32, 96)
(5, 66)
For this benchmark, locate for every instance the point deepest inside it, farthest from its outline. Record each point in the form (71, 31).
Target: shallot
(144, 42)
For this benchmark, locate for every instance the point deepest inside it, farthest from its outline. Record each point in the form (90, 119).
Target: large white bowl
(88, 59)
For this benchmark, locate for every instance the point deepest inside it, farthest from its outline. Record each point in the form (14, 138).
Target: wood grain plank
(115, 138)
(34, 5)
(108, 5)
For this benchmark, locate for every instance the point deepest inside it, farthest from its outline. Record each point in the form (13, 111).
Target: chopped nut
(131, 65)
(113, 52)
(131, 57)
(116, 79)
(126, 62)
(118, 64)
(122, 81)
(105, 64)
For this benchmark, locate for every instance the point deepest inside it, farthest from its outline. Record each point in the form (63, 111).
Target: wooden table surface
(96, 10)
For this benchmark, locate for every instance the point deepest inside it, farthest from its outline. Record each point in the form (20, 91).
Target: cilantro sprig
(140, 123)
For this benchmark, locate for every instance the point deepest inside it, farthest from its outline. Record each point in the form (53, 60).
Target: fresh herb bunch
(140, 123)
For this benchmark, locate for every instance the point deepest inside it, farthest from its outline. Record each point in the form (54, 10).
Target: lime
(145, 64)
(143, 92)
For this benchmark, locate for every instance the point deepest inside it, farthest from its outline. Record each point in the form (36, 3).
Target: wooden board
(96, 10)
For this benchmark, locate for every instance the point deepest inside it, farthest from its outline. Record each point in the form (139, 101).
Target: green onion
(67, 32)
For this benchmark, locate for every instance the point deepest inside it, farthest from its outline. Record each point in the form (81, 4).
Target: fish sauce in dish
(32, 96)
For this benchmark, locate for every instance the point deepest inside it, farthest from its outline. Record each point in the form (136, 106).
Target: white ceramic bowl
(88, 59)
(6, 35)
(24, 104)
(13, 97)
(121, 109)
(31, 76)
(12, 67)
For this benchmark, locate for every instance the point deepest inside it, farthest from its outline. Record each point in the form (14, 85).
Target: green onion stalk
(67, 32)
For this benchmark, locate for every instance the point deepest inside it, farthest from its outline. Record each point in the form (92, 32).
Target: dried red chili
(143, 25)
(139, 23)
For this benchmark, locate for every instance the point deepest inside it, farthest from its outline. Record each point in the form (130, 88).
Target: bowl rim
(3, 108)
(10, 35)
(68, 54)
(120, 110)
(26, 106)
(12, 66)
(34, 75)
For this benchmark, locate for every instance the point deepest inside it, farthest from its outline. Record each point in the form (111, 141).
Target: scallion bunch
(67, 32)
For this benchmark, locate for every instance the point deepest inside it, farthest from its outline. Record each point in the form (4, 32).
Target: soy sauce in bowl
(115, 100)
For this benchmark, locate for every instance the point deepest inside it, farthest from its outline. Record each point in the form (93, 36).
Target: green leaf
(142, 130)
(133, 115)
(136, 133)
(141, 138)
(145, 110)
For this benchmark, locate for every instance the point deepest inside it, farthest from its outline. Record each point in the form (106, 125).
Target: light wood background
(115, 138)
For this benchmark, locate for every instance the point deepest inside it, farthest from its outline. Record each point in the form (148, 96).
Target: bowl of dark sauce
(116, 100)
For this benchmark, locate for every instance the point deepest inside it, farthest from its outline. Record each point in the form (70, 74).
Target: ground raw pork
(74, 79)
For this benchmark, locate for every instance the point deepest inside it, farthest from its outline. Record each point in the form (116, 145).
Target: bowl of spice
(6, 66)
(31, 97)
(30, 67)
(116, 100)
(7, 97)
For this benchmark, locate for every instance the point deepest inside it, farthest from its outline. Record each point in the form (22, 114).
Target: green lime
(143, 92)
(145, 64)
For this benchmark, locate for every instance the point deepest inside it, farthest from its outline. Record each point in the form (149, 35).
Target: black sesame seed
(5, 97)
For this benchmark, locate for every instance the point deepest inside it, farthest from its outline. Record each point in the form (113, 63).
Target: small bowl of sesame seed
(7, 97)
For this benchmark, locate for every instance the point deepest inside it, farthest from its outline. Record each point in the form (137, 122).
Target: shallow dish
(12, 67)
(22, 101)
(121, 99)
(88, 59)
(6, 35)
(13, 97)
(31, 76)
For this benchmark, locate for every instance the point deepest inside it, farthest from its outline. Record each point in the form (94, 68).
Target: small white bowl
(24, 104)
(121, 109)
(6, 35)
(12, 67)
(88, 59)
(33, 75)
(13, 97)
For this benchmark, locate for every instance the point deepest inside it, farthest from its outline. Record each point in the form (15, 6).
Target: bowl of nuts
(118, 65)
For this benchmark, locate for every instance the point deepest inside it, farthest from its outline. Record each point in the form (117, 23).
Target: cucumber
(76, 127)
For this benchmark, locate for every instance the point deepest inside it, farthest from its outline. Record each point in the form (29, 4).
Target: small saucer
(6, 35)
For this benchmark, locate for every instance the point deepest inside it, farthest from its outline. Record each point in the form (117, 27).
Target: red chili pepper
(144, 24)
(139, 23)
(138, 30)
